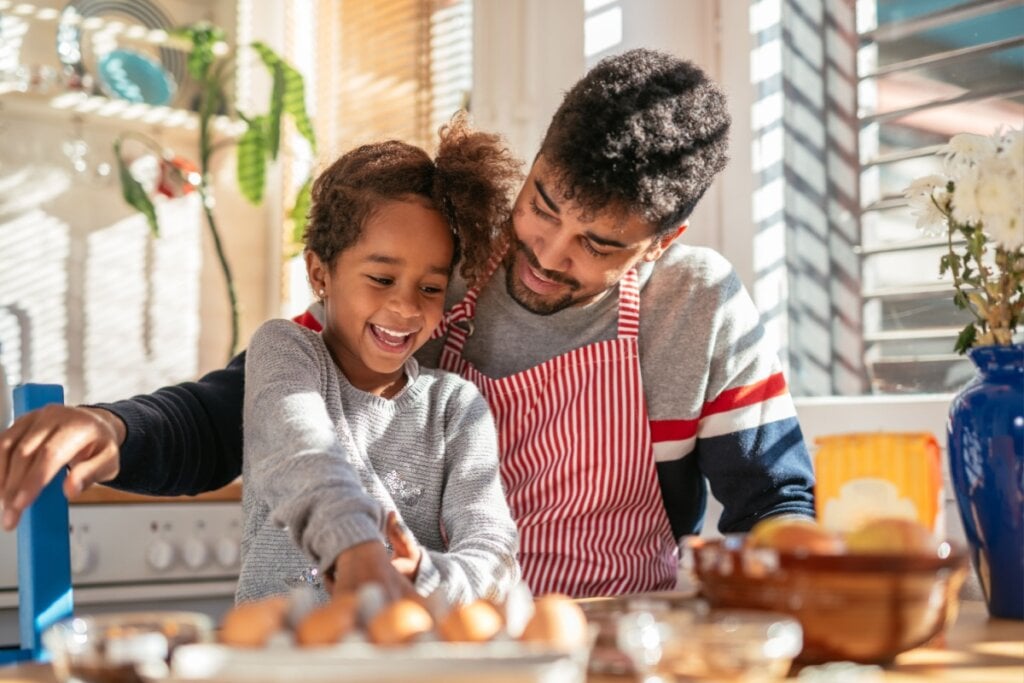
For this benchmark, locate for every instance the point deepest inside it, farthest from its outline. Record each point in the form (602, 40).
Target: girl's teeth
(391, 336)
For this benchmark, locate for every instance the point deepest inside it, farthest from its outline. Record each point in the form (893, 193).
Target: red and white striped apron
(577, 461)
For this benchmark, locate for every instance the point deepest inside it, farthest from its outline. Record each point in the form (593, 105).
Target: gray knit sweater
(312, 491)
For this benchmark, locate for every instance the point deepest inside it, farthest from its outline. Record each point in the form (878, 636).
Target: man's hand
(407, 553)
(369, 563)
(40, 443)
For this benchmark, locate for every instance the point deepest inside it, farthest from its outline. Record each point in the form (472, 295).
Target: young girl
(343, 428)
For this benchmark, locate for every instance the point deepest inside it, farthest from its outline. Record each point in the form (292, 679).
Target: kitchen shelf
(95, 109)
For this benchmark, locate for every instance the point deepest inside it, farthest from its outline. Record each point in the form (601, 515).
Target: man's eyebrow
(604, 241)
(544, 195)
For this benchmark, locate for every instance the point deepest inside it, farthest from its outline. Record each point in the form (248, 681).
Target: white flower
(1011, 148)
(1005, 231)
(965, 149)
(964, 202)
(925, 195)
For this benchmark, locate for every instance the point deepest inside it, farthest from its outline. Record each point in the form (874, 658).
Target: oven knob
(227, 552)
(81, 556)
(160, 554)
(195, 553)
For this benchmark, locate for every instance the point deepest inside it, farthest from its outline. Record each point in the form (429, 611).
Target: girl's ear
(658, 248)
(316, 270)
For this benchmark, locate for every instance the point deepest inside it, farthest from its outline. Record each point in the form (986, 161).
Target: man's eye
(539, 211)
(590, 249)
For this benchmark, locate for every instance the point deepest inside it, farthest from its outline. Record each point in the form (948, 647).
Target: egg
(558, 622)
(399, 623)
(475, 622)
(251, 624)
(328, 624)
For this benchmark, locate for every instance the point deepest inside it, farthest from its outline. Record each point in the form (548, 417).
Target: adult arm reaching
(179, 440)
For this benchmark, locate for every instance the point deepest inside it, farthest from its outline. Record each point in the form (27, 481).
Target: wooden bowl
(861, 608)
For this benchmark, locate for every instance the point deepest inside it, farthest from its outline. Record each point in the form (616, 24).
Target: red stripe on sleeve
(748, 395)
(672, 430)
(306, 319)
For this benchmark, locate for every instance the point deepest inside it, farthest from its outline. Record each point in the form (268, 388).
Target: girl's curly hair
(470, 181)
(642, 132)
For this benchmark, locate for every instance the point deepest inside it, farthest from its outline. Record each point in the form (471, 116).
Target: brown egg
(473, 623)
(891, 536)
(558, 622)
(399, 622)
(328, 624)
(794, 535)
(251, 624)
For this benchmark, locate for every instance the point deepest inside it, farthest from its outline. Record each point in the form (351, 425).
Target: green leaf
(203, 35)
(300, 212)
(960, 300)
(274, 115)
(252, 160)
(294, 92)
(943, 264)
(133, 192)
(965, 339)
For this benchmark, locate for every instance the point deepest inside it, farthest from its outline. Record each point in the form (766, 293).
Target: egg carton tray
(499, 662)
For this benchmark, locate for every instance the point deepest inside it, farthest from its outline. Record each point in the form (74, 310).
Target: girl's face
(385, 294)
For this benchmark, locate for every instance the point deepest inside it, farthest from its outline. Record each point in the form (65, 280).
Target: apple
(891, 536)
(794, 534)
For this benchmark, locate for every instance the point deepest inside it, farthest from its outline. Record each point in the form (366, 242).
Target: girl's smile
(384, 294)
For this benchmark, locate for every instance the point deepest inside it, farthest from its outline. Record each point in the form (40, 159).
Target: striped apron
(577, 461)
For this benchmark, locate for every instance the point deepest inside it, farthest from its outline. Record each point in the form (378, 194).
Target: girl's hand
(407, 553)
(369, 563)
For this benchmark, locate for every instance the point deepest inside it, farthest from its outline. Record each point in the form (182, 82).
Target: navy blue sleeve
(185, 439)
(759, 472)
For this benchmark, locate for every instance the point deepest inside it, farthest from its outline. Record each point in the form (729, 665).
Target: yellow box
(860, 476)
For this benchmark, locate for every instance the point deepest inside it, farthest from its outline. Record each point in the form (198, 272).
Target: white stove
(140, 556)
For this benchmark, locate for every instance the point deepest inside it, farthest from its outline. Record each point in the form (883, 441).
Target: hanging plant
(209, 64)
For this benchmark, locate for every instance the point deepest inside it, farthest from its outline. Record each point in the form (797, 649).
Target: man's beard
(526, 297)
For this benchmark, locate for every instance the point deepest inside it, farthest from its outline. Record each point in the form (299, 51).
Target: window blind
(392, 69)
(927, 69)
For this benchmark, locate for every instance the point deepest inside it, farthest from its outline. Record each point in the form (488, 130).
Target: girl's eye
(430, 290)
(385, 281)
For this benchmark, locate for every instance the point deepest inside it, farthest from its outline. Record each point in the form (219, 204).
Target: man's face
(557, 260)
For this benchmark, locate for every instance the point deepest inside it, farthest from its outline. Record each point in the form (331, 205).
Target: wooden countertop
(976, 650)
(104, 495)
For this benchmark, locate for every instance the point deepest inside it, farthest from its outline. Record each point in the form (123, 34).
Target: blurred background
(837, 106)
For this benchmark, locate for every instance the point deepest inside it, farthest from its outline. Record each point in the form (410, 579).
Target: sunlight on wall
(88, 299)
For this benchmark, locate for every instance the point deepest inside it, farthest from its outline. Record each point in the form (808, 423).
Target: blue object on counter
(44, 548)
(129, 75)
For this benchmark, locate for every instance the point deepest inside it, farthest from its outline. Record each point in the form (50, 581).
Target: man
(623, 368)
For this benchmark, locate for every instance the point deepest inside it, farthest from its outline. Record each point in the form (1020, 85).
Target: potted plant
(978, 205)
(210, 65)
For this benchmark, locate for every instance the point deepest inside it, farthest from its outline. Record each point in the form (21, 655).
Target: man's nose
(552, 251)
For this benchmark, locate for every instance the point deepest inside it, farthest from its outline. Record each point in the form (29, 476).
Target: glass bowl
(107, 648)
(715, 645)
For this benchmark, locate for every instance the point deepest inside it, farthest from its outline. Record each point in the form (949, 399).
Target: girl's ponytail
(474, 184)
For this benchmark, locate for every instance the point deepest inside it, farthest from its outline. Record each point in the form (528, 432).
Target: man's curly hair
(643, 132)
(470, 181)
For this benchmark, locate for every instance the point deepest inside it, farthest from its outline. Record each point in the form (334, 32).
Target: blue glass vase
(986, 464)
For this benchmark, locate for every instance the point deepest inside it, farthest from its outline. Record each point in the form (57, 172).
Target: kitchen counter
(976, 650)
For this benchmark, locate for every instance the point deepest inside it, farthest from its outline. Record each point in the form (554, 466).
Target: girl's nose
(405, 303)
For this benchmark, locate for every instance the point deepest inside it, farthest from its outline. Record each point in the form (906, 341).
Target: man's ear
(316, 271)
(658, 248)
